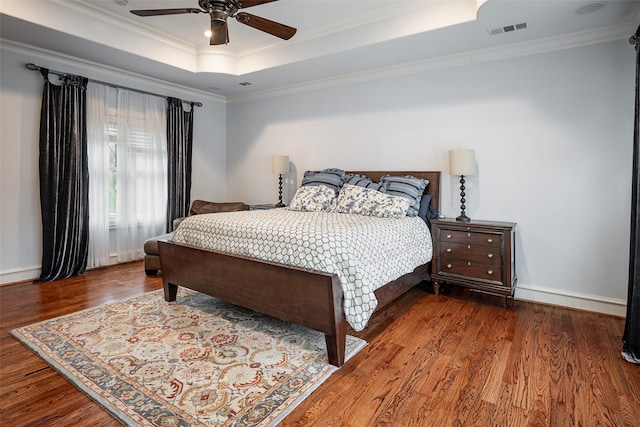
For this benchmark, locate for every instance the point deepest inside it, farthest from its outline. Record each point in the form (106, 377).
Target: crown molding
(102, 69)
(514, 50)
(341, 24)
(551, 44)
(113, 20)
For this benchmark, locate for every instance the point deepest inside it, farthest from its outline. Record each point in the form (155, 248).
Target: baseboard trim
(9, 277)
(581, 301)
(28, 274)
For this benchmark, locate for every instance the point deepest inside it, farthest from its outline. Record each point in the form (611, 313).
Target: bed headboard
(433, 176)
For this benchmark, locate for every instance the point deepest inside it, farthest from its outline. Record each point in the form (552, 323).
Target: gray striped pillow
(408, 187)
(332, 178)
(364, 181)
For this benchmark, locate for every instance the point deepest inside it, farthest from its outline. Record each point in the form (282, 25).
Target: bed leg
(336, 348)
(170, 291)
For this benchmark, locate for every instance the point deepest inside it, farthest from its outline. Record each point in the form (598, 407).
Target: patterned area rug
(194, 362)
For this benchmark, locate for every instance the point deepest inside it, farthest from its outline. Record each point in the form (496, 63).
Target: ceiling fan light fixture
(219, 11)
(218, 17)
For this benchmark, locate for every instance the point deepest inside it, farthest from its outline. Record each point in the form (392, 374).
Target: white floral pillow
(312, 198)
(364, 201)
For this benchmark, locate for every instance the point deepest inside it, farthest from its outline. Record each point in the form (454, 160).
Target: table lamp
(462, 163)
(280, 165)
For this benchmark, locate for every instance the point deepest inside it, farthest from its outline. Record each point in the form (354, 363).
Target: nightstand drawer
(474, 270)
(474, 253)
(472, 238)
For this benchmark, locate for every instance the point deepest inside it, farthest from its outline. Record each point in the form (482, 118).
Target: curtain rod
(34, 67)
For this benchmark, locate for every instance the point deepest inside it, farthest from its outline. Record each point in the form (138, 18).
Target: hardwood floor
(448, 360)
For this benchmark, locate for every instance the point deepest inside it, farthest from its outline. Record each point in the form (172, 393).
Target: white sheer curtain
(142, 172)
(128, 156)
(98, 156)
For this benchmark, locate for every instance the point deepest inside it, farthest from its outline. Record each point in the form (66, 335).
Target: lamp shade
(280, 164)
(462, 162)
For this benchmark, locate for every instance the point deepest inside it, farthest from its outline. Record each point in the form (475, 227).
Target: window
(128, 171)
(113, 168)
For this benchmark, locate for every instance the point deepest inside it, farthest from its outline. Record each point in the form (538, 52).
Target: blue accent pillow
(426, 212)
(364, 181)
(332, 178)
(408, 187)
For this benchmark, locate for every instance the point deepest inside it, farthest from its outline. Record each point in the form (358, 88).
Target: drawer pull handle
(489, 255)
(490, 240)
(449, 250)
(449, 266)
(449, 236)
(490, 272)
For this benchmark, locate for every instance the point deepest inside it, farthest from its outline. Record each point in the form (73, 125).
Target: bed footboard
(306, 297)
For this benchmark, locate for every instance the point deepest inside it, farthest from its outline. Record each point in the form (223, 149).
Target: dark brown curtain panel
(64, 178)
(179, 149)
(631, 337)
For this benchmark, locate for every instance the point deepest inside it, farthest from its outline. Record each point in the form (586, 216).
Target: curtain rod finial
(32, 67)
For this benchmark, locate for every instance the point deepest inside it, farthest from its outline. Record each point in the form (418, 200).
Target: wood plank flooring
(447, 360)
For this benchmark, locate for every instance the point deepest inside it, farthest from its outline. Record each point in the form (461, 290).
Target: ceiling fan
(220, 10)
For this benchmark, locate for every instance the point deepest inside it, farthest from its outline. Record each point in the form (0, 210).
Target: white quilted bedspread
(364, 252)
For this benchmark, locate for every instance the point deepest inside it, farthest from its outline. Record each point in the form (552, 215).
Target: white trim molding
(27, 274)
(9, 277)
(514, 50)
(117, 74)
(578, 300)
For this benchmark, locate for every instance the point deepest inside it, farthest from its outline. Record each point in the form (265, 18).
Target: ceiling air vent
(507, 29)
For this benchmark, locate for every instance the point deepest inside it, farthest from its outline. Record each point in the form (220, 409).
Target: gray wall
(553, 138)
(20, 97)
(552, 133)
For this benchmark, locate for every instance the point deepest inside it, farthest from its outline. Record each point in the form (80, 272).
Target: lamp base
(463, 218)
(280, 204)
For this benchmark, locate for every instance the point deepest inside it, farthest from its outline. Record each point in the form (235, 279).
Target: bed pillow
(426, 212)
(312, 198)
(332, 177)
(364, 201)
(409, 187)
(363, 181)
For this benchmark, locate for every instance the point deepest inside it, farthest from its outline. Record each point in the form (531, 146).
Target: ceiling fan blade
(156, 12)
(219, 33)
(274, 28)
(249, 3)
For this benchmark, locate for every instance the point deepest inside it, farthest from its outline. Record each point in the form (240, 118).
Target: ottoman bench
(151, 257)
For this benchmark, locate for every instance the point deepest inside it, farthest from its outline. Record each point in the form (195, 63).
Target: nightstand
(479, 255)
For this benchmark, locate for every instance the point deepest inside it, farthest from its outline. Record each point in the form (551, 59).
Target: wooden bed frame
(306, 297)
